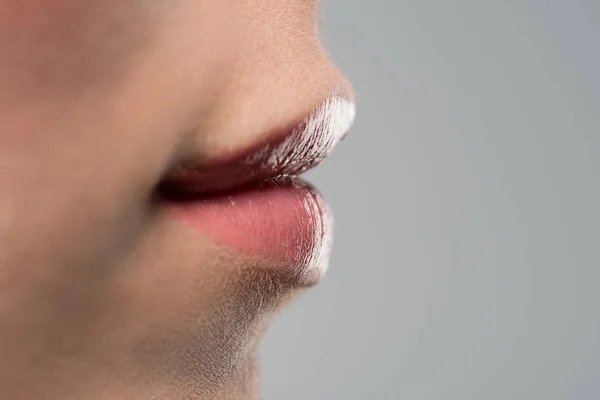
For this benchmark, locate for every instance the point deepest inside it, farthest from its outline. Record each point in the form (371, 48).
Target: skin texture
(102, 294)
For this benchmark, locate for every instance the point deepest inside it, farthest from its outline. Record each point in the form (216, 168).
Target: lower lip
(286, 223)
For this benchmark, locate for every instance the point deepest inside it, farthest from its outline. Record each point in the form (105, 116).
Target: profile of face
(150, 218)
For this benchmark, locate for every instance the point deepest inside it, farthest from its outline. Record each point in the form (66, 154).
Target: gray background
(467, 254)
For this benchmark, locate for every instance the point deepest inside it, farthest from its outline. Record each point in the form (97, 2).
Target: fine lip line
(182, 195)
(281, 156)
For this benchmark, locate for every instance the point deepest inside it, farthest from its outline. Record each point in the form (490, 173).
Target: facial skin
(102, 294)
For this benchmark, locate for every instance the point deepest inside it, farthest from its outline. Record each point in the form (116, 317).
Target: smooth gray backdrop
(467, 199)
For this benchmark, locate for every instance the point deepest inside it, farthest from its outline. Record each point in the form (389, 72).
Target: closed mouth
(252, 201)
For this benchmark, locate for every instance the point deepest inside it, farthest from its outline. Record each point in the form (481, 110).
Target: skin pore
(102, 294)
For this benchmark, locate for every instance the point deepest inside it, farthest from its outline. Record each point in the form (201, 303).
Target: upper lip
(291, 152)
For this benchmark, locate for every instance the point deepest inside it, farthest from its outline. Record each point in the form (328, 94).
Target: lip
(252, 201)
(289, 152)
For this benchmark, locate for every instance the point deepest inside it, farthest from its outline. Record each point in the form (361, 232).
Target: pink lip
(283, 221)
(252, 201)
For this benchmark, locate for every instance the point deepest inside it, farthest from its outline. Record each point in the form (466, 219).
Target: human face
(132, 263)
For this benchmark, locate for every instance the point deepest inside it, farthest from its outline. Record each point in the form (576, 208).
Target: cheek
(63, 46)
(73, 196)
